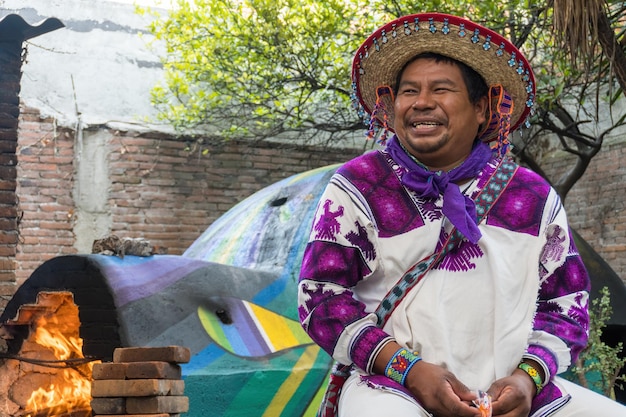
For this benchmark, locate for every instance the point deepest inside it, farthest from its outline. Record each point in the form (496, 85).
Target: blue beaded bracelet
(400, 364)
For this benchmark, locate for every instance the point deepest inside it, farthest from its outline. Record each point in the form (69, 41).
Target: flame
(72, 385)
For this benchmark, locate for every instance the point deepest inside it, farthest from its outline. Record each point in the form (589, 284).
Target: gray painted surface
(100, 67)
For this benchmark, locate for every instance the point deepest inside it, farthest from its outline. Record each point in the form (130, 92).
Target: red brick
(108, 405)
(153, 370)
(134, 387)
(172, 404)
(177, 388)
(7, 276)
(136, 370)
(174, 354)
(109, 370)
(8, 287)
(144, 415)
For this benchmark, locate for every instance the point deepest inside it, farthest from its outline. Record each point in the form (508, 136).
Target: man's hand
(440, 392)
(512, 396)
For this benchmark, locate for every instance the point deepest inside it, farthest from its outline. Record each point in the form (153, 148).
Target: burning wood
(53, 377)
(51, 412)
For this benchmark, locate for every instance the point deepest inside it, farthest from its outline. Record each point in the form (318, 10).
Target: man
(496, 306)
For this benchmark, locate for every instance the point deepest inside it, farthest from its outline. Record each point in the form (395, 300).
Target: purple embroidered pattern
(569, 278)
(578, 312)
(552, 307)
(337, 263)
(521, 207)
(359, 238)
(392, 207)
(332, 316)
(365, 344)
(315, 297)
(536, 351)
(553, 250)
(431, 210)
(327, 226)
(484, 176)
(548, 394)
(460, 259)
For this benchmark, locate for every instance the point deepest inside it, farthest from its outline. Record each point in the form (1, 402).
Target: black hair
(476, 86)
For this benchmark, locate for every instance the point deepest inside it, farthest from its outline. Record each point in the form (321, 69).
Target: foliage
(262, 68)
(578, 103)
(280, 68)
(599, 365)
(258, 68)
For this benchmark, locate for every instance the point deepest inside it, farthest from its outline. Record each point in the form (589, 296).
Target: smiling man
(440, 275)
(436, 121)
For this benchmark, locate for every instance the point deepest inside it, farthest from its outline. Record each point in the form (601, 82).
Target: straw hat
(380, 58)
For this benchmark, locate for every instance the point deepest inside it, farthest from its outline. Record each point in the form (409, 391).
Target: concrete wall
(96, 70)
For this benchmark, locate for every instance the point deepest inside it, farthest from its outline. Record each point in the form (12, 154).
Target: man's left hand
(512, 396)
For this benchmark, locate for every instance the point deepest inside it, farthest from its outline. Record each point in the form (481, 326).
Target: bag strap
(485, 200)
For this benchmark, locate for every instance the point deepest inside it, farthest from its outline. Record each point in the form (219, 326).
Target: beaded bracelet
(400, 364)
(533, 373)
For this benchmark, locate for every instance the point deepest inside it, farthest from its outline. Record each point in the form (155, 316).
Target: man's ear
(482, 112)
(482, 115)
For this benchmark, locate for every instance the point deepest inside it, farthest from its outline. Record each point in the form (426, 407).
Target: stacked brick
(141, 382)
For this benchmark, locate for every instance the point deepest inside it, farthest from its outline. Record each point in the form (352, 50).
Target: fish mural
(230, 298)
(266, 232)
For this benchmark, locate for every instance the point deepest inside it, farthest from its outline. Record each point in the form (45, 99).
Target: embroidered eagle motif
(360, 239)
(328, 226)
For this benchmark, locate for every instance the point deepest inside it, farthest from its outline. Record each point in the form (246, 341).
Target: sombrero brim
(383, 54)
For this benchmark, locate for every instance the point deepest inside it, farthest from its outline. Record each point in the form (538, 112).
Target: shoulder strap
(484, 202)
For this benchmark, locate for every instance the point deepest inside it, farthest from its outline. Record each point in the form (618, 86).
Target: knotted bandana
(457, 207)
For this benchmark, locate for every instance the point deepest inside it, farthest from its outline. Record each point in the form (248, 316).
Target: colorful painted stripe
(254, 332)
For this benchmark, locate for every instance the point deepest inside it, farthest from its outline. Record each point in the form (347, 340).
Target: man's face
(434, 118)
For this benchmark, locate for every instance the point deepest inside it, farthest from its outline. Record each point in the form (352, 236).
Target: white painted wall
(97, 70)
(99, 66)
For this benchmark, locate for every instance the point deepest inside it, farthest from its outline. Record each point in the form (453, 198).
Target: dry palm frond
(575, 26)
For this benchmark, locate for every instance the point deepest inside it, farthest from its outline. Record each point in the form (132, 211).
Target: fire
(71, 386)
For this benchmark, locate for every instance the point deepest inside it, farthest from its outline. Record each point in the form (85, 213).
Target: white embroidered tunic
(522, 290)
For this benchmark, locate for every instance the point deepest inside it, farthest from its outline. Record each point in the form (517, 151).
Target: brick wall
(596, 205)
(44, 190)
(167, 191)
